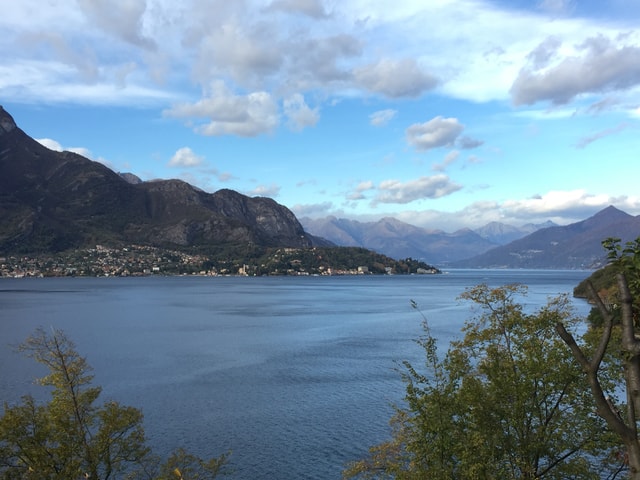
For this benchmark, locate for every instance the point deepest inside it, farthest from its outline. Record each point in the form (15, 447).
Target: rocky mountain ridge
(53, 201)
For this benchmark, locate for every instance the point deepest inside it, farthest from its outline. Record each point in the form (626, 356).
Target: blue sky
(441, 113)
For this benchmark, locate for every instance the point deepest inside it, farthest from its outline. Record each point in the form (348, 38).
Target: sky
(444, 114)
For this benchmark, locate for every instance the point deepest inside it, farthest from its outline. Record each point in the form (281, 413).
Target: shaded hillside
(53, 201)
(572, 246)
(400, 240)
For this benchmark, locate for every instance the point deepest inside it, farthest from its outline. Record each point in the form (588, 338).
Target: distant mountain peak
(577, 245)
(610, 212)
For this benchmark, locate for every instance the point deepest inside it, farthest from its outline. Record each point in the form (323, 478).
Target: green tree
(507, 401)
(71, 437)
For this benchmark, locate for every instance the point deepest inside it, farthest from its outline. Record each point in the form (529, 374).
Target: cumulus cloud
(229, 114)
(299, 114)
(318, 62)
(311, 8)
(382, 117)
(122, 18)
(395, 191)
(270, 191)
(287, 46)
(542, 55)
(562, 206)
(437, 132)
(56, 146)
(185, 157)
(50, 144)
(312, 209)
(245, 52)
(395, 78)
(556, 7)
(583, 142)
(597, 65)
(467, 143)
(358, 193)
(448, 160)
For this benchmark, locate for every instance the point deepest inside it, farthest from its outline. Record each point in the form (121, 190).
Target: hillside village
(140, 260)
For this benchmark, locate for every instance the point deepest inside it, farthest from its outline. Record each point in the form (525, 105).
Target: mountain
(501, 233)
(572, 246)
(130, 178)
(397, 239)
(53, 201)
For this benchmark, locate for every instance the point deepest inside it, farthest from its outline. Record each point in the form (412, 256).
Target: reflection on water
(295, 375)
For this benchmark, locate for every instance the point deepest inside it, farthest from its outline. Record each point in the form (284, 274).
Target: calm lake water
(295, 375)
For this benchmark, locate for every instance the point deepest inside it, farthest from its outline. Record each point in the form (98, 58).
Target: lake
(295, 375)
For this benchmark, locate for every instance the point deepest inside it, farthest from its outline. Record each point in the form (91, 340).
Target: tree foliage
(507, 401)
(72, 437)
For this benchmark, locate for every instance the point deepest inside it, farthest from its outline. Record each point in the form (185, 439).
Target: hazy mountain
(51, 201)
(572, 246)
(397, 239)
(501, 233)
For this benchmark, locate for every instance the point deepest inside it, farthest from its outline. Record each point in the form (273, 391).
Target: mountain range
(401, 240)
(53, 201)
(495, 245)
(578, 245)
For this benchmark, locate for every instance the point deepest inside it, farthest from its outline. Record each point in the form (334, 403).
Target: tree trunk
(626, 429)
(630, 345)
(633, 453)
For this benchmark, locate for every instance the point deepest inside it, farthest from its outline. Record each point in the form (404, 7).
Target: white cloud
(448, 160)
(56, 146)
(337, 48)
(312, 210)
(311, 8)
(395, 191)
(319, 62)
(35, 81)
(467, 143)
(229, 114)
(557, 7)
(246, 53)
(50, 144)
(185, 157)
(358, 193)
(561, 207)
(299, 114)
(121, 18)
(270, 191)
(382, 117)
(437, 132)
(395, 78)
(595, 66)
(583, 142)
(556, 202)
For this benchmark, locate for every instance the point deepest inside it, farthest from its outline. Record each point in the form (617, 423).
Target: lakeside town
(140, 260)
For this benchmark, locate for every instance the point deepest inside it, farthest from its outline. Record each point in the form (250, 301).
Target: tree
(507, 401)
(71, 437)
(618, 345)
